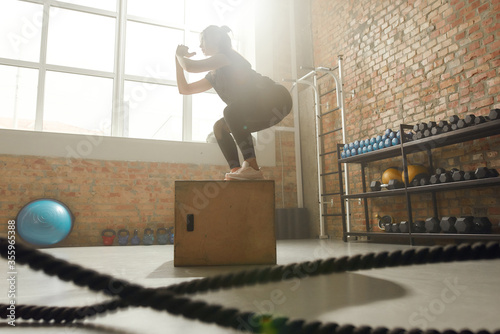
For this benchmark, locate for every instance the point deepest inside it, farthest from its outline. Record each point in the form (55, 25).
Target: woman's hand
(183, 51)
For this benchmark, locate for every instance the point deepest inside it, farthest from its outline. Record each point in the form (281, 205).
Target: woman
(254, 102)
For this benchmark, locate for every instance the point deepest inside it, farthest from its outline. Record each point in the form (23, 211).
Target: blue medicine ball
(346, 147)
(353, 152)
(380, 145)
(356, 144)
(44, 222)
(388, 131)
(365, 149)
(360, 150)
(375, 146)
(387, 142)
(342, 155)
(373, 140)
(395, 141)
(392, 135)
(378, 139)
(369, 148)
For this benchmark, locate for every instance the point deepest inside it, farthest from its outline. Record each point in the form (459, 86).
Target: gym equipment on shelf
(393, 184)
(432, 225)
(447, 224)
(391, 173)
(44, 222)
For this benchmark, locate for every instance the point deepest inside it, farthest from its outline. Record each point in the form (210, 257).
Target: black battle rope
(173, 300)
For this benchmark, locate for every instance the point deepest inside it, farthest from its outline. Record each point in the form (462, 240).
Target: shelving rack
(487, 129)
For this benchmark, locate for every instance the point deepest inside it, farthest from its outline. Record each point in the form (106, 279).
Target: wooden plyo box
(224, 223)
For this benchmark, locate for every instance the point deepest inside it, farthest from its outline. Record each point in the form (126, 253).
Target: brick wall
(119, 194)
(412, 61)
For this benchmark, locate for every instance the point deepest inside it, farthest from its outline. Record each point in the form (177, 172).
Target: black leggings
(242, 118)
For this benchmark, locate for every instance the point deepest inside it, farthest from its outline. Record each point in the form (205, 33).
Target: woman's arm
(196, 66)
(186, 88)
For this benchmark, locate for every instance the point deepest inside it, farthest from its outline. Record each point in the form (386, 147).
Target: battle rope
(173, 300)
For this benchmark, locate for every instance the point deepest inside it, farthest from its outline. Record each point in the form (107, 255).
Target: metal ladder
(315, 74)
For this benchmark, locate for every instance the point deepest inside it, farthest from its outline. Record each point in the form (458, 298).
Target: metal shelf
(491, 128)
(488, 182)
(426, 235)
(479, 131)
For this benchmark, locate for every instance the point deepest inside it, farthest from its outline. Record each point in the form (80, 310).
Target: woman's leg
(226, 143)
(244, 118)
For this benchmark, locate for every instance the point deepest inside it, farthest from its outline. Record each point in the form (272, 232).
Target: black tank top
(237, 81)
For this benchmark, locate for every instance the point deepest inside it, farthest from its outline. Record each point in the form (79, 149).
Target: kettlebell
(162, 237)
(135, 239)
(107, 240)
(123, 239)
(148, 237)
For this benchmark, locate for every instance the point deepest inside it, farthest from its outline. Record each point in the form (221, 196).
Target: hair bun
(225, 29)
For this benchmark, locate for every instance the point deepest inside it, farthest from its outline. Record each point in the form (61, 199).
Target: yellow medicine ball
(414, 170)
(391, 173)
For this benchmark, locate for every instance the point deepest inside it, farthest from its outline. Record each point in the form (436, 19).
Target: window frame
(266, 154)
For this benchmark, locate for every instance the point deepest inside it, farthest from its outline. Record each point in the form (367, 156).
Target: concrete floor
(440, 296)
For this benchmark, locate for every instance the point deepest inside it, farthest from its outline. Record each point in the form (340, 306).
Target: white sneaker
(245, 173)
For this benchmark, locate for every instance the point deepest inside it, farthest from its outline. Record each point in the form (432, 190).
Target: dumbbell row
(461, 225)
(424, 130)
(454, 175)
(388, 139)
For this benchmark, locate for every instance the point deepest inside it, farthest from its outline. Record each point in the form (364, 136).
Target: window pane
(18, 89)
(154, 111)
(101, 4)
(170, 11)
(201, 13)
(77, 104)
(150, 50)
(20, 30)
(207, 108)
(81, 40)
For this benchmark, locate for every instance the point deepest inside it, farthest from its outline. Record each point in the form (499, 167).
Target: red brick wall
(412, 61)
(119, 194)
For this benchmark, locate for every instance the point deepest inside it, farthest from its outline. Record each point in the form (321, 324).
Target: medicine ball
(415, 170)
(391, 173)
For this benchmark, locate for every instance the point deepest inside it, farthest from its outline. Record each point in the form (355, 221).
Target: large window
(106, 67)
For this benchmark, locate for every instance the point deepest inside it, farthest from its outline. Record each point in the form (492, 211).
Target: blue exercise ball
(44, 222)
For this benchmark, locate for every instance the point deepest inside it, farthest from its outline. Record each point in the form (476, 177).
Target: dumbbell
(425, 180)
(418, 226)
(464, 224)
(432, 225)
(482, 225)
(469, 119)
(458, 175)
(454, 119)
(461, 124)
(469, 176)
(395, 228)
(494, 114)
(393, 184)
(447, 224)
(481, 120)
(445, 177)
(483, 172)
(404, 227)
